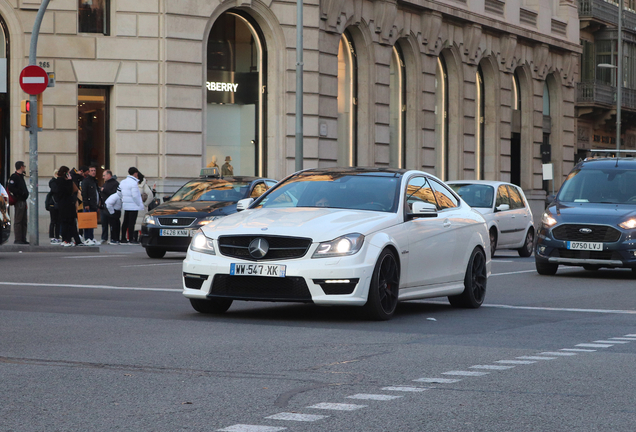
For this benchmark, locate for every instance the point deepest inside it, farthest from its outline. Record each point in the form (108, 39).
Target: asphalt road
(106, 342)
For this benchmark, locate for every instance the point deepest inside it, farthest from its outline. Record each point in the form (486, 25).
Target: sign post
(32, 79)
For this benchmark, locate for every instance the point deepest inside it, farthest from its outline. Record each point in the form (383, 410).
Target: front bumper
(618, 254)
(208, 276)
(150, 237)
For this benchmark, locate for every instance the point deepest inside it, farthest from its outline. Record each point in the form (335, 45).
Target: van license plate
(590, 246)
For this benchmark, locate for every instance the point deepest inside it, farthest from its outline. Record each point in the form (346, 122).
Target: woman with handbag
(66, 199)
(52, 207)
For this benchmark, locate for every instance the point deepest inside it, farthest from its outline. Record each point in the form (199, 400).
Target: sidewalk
(46, 246)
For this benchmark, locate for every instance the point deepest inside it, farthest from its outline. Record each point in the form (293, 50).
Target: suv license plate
(271, 270)
(175, 233)
(590, 246)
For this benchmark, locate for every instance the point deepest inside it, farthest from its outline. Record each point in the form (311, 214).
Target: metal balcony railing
(606, 11)
(604, 94)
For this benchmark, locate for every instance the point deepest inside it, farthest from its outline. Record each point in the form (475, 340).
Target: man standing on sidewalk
(131, 204)
(108, 219)
(18, 188)
(90, 200)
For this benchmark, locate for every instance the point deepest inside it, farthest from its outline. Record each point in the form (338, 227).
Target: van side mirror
(423, 210)
(244, 203)
(503, 207)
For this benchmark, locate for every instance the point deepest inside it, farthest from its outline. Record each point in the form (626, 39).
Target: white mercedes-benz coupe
(365, 237)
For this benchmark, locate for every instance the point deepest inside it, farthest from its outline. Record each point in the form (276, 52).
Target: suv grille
(279, 247)
(176, 221)
(600, 233)
(261, 288)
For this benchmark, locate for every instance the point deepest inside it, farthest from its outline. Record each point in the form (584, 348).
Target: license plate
(175, 233)
(591, 246)
(271, 270)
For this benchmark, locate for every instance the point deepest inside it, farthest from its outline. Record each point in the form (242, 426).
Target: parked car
(506, 210)
(343, 236)
(169, 226)
(592, 221)
(5, 221)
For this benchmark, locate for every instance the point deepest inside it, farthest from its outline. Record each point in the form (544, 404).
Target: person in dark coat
(54, 226)
(17, 188)
(90, 201)
(110, 187)
(66, 198)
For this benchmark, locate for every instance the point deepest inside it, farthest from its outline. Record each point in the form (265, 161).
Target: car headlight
(348, 244)
(628, 224)
(207, 220)
(201, 243)
(548, 220)
(149, 220)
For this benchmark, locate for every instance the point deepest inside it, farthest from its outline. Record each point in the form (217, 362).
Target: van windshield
(612, 186)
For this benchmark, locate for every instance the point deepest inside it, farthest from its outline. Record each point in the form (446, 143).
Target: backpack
(49, 202)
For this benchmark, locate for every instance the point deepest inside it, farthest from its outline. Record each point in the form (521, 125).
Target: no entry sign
(34, 80)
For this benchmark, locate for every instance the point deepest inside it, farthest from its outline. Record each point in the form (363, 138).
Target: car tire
(493, 241)
(475, 282)
(216, 306)
(546, 268)
(526, 250)
(384, 289)
(155, 253)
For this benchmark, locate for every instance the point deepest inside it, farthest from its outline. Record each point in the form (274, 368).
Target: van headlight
(348, 244)
(548, 220)
(200, 243)
(628, 224)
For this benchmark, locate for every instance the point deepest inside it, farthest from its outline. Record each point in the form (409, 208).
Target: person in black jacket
(18, 188)
(90, 201)
(109, 188)
(66, 200)
(54, 226)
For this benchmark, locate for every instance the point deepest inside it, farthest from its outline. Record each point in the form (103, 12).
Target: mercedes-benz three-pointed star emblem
(258, 248)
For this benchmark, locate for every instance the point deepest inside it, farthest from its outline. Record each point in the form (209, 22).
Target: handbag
(87, 220)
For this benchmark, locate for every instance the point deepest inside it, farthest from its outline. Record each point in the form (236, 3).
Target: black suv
(592, 221)
(169, 226)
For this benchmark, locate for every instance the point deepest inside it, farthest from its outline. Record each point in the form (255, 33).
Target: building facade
(461, 88)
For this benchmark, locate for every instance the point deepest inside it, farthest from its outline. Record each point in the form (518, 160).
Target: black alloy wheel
(526, 250)
(155, 253)
(213, 306)
(493, 241)
(384, 288)
(475, 282)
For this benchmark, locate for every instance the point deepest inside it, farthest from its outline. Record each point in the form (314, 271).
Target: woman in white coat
(132, 204)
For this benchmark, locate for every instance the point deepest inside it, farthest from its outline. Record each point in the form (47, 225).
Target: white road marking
(377, 397)
(591, 345)
(405, 389)
(631, 335)
(602, 311)
(517, 362)
(465, 373)
(491, 367)
(152, 265)
(513, 273)
(623, 338)
(503, 261)
(93, 256)
(555, 353)
(90, 286)
(611, 342)
(535, 358)
(251, 428)
(577, 350)
(297, 417)
(337, 406)
(437, 380)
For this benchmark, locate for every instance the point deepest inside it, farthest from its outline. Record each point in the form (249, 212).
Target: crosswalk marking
(555, 353)
(465, 373)
(437, 380)
(622, 338)
(296, 417)
(611, 342)
(591, 345)
(518, 362)
(405, 389)
(631, 335)
(337, 406)
(378, 397)
(535, 358)
(491, 367)
(251, 428)
(577, 350)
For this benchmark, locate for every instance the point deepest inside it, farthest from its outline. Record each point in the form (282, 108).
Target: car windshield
(475, 195)
(212, 190)
(336, 190)
(612, 186)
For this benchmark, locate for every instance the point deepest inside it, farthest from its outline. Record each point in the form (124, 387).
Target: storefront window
(234, 89)
(93, 16)
(347, 94)
(397, 110)
(441, 118)
(92, 126)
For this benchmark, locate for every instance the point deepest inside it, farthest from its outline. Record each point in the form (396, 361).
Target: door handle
(447, 223)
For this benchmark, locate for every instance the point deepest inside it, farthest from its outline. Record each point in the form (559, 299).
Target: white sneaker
(81, 238)
(67, 244)
(90, 242)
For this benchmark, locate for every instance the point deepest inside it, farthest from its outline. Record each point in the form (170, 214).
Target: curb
(47, 248)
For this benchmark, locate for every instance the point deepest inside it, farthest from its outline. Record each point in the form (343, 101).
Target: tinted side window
(445, 199)
(502, 196)
(516, 202)
(419, 190)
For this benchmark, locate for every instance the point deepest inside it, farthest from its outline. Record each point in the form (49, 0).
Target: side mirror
(167, 198)
(503, 207)
(244, 203)
(423, 210)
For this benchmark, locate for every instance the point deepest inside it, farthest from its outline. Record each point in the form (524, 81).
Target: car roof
(247, 179)
(482, 182)
(608, 163)
(355, 170)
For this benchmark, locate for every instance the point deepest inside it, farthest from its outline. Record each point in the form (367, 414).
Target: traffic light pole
(34, 226)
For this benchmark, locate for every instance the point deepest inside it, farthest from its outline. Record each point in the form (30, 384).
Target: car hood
(483, 210)
(320, 224)
(592, 212)
(217, 208)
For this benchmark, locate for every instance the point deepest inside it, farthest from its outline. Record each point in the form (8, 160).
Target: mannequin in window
(227, 169)
(212, 163)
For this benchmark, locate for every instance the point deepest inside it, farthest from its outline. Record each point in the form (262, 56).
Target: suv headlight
(149, 220)
(348, 244)
(207, 220)
(201, 243)
(628, 224)
(548, 220)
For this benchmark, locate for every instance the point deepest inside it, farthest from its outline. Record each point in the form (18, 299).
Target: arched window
(441, 119)
(347, 100)
(397, 110)
(479, 124)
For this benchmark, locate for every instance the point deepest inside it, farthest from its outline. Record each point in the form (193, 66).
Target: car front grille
(176, 221)
(260, 288)
(581, 254)
(600, 233)
(279, 247)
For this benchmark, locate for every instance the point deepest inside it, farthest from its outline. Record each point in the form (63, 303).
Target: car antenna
(613, 151)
